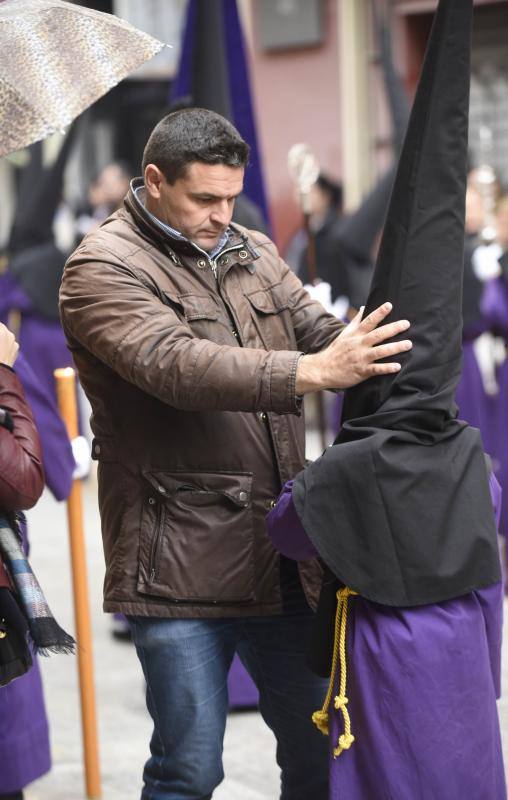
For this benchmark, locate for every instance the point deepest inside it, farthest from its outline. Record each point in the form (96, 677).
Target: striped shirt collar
(174, 234)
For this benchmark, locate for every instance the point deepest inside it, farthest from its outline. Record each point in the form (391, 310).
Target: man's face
(199, 204)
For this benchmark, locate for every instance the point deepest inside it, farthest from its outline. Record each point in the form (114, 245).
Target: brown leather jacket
(21, 473)
(191, 379)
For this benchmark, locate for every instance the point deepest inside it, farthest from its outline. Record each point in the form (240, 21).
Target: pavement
(123, 723)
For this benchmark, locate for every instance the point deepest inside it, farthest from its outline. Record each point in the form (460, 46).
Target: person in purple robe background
(470, 395)
(495, 311)
(400, 507)
(34, 265)
(24, 735)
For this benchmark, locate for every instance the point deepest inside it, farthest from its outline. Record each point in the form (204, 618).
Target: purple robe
(57, 455)
(24, 738)
(421, 684)
(41, 340)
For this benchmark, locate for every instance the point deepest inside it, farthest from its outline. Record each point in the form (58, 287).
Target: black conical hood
(397, 97)
(39, 195)
(357, 232)
(210, 74)
(420, 262)
(399, 507)
(213, 73)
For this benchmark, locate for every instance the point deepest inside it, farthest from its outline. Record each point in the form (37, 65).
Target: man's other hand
(353, 356)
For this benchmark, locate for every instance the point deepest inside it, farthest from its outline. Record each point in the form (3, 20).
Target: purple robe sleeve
(57, 457)
(285, 529)
(288, 536)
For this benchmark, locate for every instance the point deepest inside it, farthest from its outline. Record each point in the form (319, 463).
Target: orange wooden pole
(66, 393)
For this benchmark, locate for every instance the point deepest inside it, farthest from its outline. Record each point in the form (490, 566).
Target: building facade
(316, 78)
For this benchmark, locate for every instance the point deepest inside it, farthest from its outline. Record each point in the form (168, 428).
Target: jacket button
(263, 416)
(224, 260)
(201, 263)
(151, 501)
(97, 449)
(272, 503)
(243, 254)
(235, 333)
(243, 496)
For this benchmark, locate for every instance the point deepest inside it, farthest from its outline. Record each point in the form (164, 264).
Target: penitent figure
(399, 508)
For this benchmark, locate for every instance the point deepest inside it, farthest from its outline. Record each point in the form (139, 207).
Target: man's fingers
(384, 369)
(375, 317)
(386, 332)
(388, 350)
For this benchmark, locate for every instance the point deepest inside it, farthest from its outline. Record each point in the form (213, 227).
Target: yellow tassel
(320, 718)
(345, 742)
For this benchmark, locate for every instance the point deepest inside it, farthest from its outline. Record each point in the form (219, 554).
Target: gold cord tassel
(321, 718)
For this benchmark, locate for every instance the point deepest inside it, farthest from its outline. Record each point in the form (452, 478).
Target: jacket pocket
(197, 306)
(202, 315)
(192, 306)
(196, 542)
(270, 310)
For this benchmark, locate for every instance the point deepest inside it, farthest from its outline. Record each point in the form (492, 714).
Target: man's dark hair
(193, 134)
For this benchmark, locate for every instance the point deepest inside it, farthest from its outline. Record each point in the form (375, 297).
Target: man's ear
(153, 181)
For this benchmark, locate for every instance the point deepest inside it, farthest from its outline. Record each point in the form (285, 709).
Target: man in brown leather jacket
(194, 343)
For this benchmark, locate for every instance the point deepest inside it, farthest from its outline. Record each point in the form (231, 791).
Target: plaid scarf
(45, 632)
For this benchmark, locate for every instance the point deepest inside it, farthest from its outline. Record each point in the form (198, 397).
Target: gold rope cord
(321, 718)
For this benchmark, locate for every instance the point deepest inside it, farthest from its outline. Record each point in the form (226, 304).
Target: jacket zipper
(156, 542)
(229, 310)
(223, 253)
(213, 261)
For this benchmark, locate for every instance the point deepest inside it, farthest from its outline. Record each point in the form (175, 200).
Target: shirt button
(235, 333)
(243, 254)
(201, 263)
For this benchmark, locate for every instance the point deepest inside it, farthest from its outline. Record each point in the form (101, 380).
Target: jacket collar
(175, 243)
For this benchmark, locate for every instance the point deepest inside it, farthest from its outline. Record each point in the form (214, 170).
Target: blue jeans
(186, 663)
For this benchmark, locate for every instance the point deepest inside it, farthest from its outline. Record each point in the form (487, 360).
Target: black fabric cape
(399, 507)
